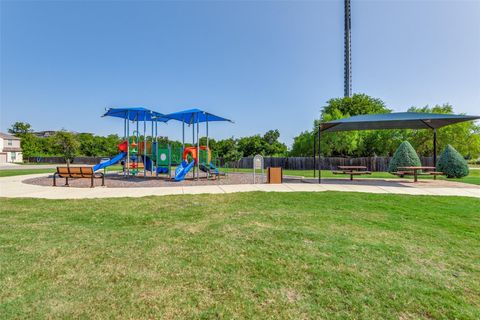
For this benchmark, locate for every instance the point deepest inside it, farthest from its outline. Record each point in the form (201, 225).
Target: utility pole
(348, 52)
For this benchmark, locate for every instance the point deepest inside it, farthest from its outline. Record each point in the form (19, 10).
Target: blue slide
(183, 169)
(114, 160)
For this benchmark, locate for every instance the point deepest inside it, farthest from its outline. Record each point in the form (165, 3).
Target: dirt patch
(116, 180)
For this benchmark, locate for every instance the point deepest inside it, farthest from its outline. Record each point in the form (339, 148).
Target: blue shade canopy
(193, 116)
(396, 120)
(135, 114)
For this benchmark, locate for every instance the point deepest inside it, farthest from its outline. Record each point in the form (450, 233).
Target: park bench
(352, 171)
(77, 173)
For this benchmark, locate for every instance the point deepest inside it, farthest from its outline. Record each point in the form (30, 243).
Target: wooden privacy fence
(55, 160)
(327, 163)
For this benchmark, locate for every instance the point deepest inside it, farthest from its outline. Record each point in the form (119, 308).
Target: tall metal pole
(348, 52)
(434, 147)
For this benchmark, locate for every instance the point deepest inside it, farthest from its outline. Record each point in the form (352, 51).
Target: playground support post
(144, 146)
(128, 143)
(206, 122)
(151, 148)
(198, 148)
(193, 142)
(138, 145)
(183, 135)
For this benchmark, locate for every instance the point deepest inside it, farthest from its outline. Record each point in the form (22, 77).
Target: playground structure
(142, 153)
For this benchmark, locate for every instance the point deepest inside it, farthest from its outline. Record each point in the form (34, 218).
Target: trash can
(274, 175)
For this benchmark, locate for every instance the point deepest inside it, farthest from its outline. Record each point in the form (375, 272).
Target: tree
(355, 105)
(66, 144)
(452, 163)
(31, 146)
(464, 137)
(405, 156)
(20, 128)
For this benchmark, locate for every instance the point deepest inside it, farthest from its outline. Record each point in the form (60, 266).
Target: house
(44, 134)
(10, 149)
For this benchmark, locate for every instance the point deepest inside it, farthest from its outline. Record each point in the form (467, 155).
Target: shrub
(404, 156)
(452, 163)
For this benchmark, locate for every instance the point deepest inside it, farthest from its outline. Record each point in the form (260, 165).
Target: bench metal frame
(89, 173)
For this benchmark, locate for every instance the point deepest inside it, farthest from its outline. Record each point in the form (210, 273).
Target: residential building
(10, 149)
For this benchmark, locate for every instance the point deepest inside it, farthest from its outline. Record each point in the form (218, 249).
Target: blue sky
(265, 65)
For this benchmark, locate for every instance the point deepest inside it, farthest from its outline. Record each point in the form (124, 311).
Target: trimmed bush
(452, 163)
(404, 156)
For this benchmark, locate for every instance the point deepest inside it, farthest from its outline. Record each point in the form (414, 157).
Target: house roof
(395, 120)
(6, 136)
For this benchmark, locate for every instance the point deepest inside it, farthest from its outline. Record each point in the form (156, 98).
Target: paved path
(13, 187)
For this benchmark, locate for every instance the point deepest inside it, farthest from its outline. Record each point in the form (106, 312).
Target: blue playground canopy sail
(194, 116)
(135, 114)
(395, 120)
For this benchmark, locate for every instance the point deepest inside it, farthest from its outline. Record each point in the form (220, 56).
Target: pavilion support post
(314, 155)
(434, 147)
(156, 147)
(319, 155)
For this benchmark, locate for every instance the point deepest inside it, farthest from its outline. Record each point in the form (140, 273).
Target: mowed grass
(244, 256)
(21, 172)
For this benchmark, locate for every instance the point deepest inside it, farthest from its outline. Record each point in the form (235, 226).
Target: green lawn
(19, 172)
(243, 256)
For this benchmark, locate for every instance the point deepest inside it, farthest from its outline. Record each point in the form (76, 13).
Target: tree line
(464, 137)
(69, 145)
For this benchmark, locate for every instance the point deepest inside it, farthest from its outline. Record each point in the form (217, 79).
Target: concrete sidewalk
(13, 187)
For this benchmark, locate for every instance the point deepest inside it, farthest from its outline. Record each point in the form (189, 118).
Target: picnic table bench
(416, 171)
(352, 170)
(77, 173)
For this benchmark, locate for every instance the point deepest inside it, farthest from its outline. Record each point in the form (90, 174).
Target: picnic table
(352, 170)
(415, 171)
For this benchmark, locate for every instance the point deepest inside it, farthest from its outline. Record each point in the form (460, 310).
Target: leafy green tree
(250, 146)
(405, 156)
(355, 105)
(66, 144)
(464, 136)
(303, 144)
(31, 146)
(20, 128)
(452, 163)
